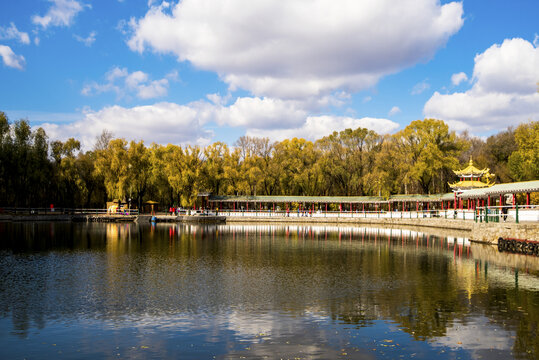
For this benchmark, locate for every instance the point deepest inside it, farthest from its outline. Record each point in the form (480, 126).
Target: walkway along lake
(96, 290)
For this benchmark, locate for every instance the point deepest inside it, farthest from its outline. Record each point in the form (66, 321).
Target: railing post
(486, 214)
(516, 213)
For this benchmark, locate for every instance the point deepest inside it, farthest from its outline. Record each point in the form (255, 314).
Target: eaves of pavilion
(523, 187)
(329, 199)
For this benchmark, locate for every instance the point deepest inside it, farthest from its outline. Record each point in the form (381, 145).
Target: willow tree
(346, 158)
(70, 184)
(213, 167)
(298, 169)
(138, 170)
(183, 168)
(428, 151)
(524, 162)
(112, 164)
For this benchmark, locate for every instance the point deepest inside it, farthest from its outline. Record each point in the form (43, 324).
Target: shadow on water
(251, 291)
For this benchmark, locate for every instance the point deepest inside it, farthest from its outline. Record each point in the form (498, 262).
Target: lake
(116, 291)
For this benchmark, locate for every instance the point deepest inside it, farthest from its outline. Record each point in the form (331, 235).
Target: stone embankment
(490, 232)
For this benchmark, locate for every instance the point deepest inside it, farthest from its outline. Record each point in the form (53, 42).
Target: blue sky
(199, 71)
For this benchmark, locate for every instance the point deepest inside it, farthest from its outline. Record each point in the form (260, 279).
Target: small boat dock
(198, 218)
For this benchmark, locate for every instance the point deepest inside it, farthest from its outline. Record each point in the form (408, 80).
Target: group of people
(174, 210)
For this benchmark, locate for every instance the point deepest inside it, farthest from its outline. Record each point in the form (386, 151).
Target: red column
(428, 206)
(443, 205)
(417, 206)
(501, 201)
(514, 200)
(527, 199)
(234, 206)
(455, 200)
(247, 206)
(488, 201)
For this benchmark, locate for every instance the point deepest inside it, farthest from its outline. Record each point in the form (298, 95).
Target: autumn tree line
(35, 171)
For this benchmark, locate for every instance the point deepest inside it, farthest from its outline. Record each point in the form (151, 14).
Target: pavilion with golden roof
(472, 178)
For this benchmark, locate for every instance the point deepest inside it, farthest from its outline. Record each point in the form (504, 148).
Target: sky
(200, 71)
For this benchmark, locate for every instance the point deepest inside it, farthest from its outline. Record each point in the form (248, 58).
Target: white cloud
(173, 123)
(394, 110)
(87, 41)
(161, 123)
(282, 50)
(12, 32)
(316, 127)
(420, 87)
(61, 13)
(10, 58)
(123, 83)
(504, 90)
(261, 113)
(366, 99)
(456, 79)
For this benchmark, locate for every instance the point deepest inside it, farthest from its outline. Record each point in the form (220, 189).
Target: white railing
(65, 211)
(522, 213)
(508, 213)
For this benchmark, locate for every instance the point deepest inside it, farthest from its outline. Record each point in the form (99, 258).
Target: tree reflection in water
(279, 289)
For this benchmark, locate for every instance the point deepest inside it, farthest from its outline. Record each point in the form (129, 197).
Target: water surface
(117, 291)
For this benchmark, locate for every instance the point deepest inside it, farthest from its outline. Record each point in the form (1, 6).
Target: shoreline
(477, 232)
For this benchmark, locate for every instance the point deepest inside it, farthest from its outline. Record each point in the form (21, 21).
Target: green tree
(299, 173)
(112, 165)
(347, 157)
(427, 151)
(497, 150)
(524, 162)
(139, 171)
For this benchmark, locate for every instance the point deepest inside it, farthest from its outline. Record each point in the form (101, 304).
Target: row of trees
(418, 159)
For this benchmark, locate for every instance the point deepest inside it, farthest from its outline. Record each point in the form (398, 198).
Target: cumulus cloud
(281, 50)
(261, 113)
(504, 90)
(182, 124)
(161, 123)
(61, 13)
(87, 41)
(10, 58)
(12, 32)
(316, 127)
(123, 83)
(456, 79)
